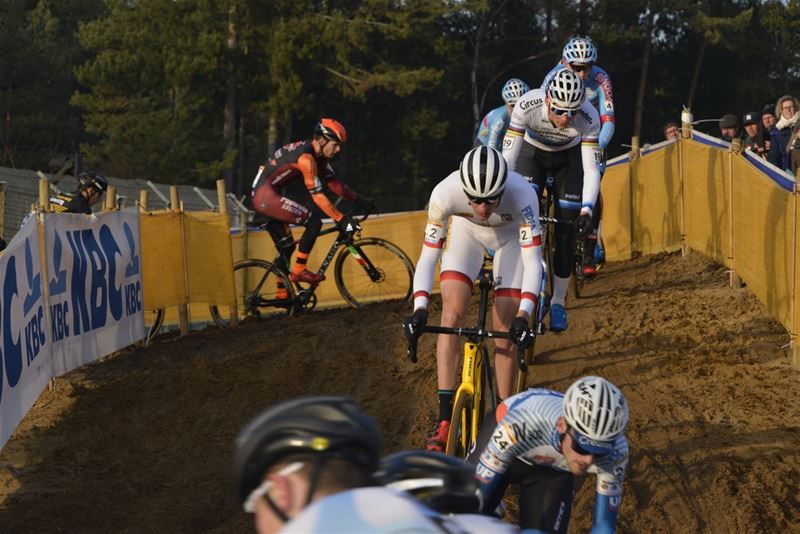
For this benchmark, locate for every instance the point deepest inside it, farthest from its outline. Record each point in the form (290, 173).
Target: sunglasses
(560, 112)
(486, 200)
(580, 450)
(266, 486)
(580, 68)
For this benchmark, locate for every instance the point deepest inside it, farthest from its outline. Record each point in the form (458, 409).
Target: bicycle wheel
(372, 270)
(261, 289)
(578, 278)
(460, 437)
(156, 319)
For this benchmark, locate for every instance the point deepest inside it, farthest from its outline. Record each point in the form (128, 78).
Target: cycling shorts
(467, 243)
(566, 166)
(269, 202)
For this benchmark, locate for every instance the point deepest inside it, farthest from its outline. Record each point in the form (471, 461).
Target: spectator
(768, 118)
(671, 130)
(783, 135)
(729, 127)
(755, 136)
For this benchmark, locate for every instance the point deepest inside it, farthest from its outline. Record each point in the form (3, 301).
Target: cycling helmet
(444, 483)
(566, 90)
(325, 426)
(513, 89)
(483, 172)
(92, 179)
(331, 129)
(580, 50)
(596, 409)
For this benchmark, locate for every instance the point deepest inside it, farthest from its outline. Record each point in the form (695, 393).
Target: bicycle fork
(471, 367)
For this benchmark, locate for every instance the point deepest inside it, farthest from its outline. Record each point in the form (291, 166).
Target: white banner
(95, 285)
(25, 362)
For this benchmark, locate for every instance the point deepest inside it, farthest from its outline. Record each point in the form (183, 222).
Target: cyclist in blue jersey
(540, 440)
(305, 465)
(494, 125)
(580, 55)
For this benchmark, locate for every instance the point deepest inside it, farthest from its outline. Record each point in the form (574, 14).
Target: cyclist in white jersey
(443, 483)
(305, 465)
(555, 132)
(481, 206)
(542, 439)
(580, 56)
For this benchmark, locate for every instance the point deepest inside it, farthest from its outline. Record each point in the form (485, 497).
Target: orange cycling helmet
(331, 129)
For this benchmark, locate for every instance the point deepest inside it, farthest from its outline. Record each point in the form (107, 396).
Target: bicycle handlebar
(469, 333)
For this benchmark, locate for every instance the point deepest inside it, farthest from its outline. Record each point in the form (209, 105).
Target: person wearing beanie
(768, 118)
(729, 127)
(754, 135)
(784, 135)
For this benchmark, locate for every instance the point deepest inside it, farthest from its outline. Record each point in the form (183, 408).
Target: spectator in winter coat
(755, 138)
(729, 127)
(784, 134)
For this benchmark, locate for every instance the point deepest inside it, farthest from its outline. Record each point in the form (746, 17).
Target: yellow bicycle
(476, 392)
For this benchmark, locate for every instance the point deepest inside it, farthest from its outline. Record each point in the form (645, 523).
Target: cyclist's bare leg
(455, 300)
(505, 363)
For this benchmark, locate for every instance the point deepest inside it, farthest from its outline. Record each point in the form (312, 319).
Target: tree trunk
(698, 65)
(272, 135)
(229, 127)
(648, 43)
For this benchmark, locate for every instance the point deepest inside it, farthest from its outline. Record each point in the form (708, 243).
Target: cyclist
(304, 466)
(311, 160)
(560, 130)
(494, 124)
(91, 186)
(580, 55)
(542, 439)
(443, 483)
(491, 208)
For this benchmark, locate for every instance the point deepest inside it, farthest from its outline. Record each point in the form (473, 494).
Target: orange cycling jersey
(297, 159)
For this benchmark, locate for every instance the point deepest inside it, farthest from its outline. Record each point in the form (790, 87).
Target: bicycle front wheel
(372, 270)
(460, 437)
(262, 288)
(578, 278)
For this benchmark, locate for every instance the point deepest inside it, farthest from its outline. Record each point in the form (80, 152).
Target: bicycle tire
(395, 273)
(262, 298)
(578, 278)
(458, 443)
(151, 331)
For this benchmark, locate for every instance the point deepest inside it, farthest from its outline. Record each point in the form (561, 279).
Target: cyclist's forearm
(531, 276)
(423, 275)
(590, 155)
(605, 514)
(606, 131)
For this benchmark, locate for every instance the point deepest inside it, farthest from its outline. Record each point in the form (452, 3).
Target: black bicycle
(366, 270)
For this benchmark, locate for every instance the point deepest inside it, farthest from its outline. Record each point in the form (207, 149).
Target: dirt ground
(141, 442)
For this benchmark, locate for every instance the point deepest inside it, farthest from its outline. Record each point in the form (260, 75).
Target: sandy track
(142, 441)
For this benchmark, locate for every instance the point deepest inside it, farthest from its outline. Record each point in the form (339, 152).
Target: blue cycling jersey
(599, 94)
(493, 127)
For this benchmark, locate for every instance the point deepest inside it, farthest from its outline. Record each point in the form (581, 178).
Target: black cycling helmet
(444, 483)
(92, 179)
(329, 426)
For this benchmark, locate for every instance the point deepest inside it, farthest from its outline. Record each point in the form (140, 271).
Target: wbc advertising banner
(25, 363)
(94, 285)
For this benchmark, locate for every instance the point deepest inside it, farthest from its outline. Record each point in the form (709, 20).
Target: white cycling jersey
(512, 231)
(381, 510)
(530, 123)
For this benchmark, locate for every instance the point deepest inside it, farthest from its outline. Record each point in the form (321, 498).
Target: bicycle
(477, 381)
(366, 270)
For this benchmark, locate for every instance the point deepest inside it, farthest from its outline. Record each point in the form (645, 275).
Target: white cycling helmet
(597, 410)
(580, 50)
(566, 90)
(483, 172)
(513, 89)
